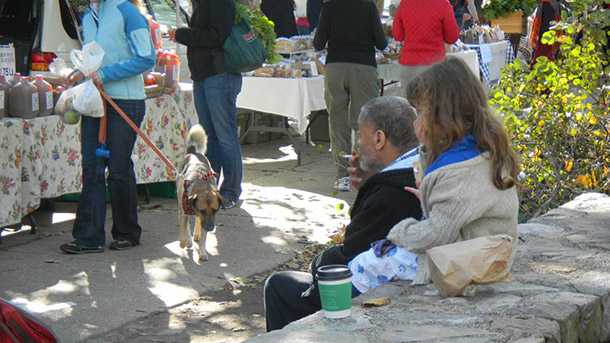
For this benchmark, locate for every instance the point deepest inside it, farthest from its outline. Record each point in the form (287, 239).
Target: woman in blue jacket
(121, 30)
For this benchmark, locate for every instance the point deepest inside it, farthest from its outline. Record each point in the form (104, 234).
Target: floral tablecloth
(40, 158)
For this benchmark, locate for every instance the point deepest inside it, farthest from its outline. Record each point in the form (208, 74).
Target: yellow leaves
(339, 236)
(578, 117)
(573, 132)
(588, 181)
(584, 181)
(376, 302)
(568, 165)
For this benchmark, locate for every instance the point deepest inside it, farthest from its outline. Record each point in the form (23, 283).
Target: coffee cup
(335, 287)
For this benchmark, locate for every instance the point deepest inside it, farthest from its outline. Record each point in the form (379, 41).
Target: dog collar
(187, 207)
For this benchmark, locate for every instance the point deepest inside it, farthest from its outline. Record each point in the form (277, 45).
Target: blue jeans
(88, 229)
(215, 101)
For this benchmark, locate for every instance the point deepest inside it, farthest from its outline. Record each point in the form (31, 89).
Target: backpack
(243, 50)
(17, 326)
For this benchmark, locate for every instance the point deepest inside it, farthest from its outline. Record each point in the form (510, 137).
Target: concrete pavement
(85, 295)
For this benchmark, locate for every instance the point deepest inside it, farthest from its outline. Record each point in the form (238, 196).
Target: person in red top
(424, 27)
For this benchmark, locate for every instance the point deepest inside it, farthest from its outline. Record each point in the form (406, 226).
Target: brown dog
(197, 192)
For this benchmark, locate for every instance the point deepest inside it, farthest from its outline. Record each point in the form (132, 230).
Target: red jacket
(424, 26)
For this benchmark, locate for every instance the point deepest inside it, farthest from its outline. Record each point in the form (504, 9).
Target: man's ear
(380, 140)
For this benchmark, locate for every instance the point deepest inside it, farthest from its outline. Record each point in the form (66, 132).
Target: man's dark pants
(283, 301)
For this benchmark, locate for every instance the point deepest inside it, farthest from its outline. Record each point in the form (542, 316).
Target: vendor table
(41, 158)
(291, 98)
(492, 58)
(391, 71)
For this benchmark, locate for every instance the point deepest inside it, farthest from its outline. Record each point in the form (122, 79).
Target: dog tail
(197, 140)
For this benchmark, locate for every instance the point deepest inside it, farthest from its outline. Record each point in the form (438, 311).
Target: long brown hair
(454, 104)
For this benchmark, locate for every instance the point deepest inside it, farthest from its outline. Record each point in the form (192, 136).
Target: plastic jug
(172, 70)
(160, 66)
(16, 78)
(24, 101)
(45, 96)
(4, 87)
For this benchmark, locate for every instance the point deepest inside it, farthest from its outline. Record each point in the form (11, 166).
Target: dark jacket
(313, 12)
(281, 13)
(381, 203)
(352, 29)
(209, 27)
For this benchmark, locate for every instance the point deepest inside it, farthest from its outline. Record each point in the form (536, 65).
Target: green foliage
(262, 27)
(79, 5)
(500, 8)
(557, 112)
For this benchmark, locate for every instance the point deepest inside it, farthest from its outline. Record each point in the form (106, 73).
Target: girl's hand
(414, 191)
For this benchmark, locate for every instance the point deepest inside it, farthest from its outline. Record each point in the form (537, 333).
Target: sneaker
(75, 248)
(343, 184)
(122, 244)
(228, 204)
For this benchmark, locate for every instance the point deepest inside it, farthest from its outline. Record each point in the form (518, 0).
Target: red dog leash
(171, 169)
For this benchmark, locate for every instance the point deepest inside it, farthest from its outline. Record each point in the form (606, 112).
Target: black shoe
(75, 248)
(122, 244)
(228, 204)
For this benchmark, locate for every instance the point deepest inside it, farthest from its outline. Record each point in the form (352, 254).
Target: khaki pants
(348, 86)
(408, 73)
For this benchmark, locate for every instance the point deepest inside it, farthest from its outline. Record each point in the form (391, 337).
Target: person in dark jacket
(388, 149)
(215, 90)
(281, 13)
(313, 13)
(351, 70)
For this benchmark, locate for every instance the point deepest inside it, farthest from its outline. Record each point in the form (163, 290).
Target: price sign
(7, 60)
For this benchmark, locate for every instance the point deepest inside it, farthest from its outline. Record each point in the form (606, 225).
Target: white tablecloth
(292, 98)
(391, 71)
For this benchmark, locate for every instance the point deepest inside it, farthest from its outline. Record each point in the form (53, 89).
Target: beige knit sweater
(460, 202)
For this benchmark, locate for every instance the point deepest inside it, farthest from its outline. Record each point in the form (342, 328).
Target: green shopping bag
(243, 51)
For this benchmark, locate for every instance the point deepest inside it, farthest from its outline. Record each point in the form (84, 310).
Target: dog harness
(198, 174)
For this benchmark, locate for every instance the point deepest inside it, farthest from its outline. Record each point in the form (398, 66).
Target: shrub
(499, 8)
(557, 112)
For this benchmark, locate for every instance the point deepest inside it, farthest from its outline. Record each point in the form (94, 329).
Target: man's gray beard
(370, 166)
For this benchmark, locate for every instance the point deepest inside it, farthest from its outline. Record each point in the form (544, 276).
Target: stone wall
(559, 292)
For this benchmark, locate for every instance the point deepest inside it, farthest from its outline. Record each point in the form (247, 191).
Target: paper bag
(481, 260)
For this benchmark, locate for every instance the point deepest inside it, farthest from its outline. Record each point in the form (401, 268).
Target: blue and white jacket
(123, 32)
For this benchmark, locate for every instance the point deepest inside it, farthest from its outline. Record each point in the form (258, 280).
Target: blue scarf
(460, 151)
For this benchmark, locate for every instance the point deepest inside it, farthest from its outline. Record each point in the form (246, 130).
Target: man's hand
(357, 176)
(172, 34)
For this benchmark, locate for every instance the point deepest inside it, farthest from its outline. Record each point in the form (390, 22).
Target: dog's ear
(221, 200)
